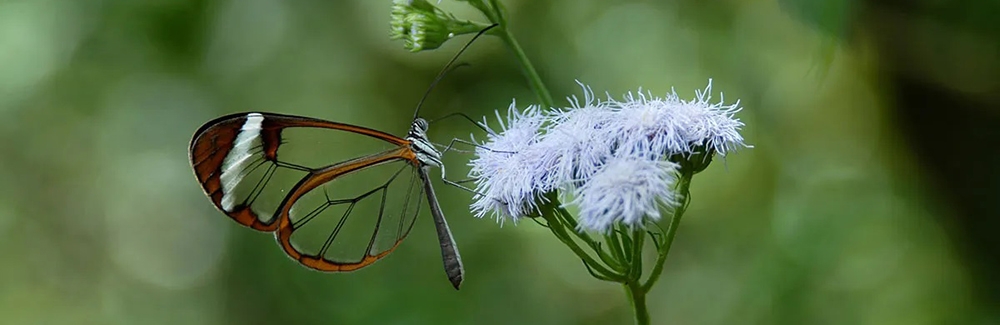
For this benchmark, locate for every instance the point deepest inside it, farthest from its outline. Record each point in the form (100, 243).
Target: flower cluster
(612, 156)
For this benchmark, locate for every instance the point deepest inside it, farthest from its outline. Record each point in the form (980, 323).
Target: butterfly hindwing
(353, 213)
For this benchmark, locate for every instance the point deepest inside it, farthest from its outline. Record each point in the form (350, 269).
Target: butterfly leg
(458, 184)
(451, 146)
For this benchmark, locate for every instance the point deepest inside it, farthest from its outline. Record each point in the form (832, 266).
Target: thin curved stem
(675, 221)
(608, 259)
(559, 229)
(639, 237)
(493, 10)
(614, 245)
(560, 232)
(534, 80)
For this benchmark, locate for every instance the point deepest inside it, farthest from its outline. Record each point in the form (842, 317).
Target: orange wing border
(320, 177)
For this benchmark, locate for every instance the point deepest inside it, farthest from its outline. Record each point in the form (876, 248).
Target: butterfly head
(426, 153)
(419, 125)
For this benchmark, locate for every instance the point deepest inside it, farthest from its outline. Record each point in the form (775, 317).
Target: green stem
(558, 228)
(636, 272)
(637, 298)
(534, 81)
(614, 245)
(494, 11)
(566, 217)
(560, 232)
(675, 221)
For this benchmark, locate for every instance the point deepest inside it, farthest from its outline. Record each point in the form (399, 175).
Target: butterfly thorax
(421, 146)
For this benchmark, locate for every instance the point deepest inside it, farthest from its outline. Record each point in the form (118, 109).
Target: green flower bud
(422, 26)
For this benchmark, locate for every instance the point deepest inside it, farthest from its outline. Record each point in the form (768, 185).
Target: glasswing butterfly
(241, 160)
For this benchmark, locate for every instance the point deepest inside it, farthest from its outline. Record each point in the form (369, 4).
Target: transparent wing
(248, 162)
(351, 214)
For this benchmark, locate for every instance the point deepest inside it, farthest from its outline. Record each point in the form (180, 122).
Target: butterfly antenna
(448, 67)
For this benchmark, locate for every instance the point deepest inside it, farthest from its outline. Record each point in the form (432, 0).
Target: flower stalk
(637, 298)
(534, 80)
(551, 212)
(494, 11)
(675, 221)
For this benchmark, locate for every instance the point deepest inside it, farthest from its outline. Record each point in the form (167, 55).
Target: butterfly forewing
(356, 218)
(318, 148)
(248, 162)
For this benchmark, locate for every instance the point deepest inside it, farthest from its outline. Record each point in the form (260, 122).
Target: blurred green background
(870, 197)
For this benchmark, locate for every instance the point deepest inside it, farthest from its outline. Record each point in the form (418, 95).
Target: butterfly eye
(420, 124)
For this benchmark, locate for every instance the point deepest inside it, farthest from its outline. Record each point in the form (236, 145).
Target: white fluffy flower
(611, 155)
(628, 190)
(713, 125)
(507, 170)
(671, 125)
(571, 146)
